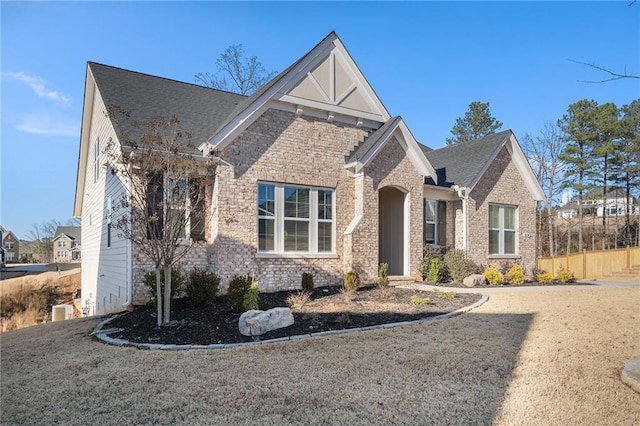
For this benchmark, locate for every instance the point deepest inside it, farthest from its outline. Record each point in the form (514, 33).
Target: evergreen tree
(476, 123)
(579, 128)
(627, 165)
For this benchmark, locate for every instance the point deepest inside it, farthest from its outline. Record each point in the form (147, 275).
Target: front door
(391, 229)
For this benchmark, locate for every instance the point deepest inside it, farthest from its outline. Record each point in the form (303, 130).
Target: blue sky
(427, 61)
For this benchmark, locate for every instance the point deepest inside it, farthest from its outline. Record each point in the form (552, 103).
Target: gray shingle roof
(462, 163)
(369, 142)
(71, 231)
(200, 110)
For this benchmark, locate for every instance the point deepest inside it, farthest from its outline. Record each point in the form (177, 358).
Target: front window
(502, 229)
(295, 219)
(430, 221)
(9, 245)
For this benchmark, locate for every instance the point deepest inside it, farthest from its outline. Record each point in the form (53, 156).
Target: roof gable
(464, 164)
(326, 79)
(72, 232)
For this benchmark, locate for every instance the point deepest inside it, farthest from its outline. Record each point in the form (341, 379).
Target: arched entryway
(391, 231)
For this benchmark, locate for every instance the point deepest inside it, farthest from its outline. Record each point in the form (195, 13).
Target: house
(11, 246)
(66, 244)
(313, 174)
(594, 204)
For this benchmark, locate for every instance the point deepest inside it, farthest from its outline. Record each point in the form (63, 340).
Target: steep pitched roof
(463, 164)
(72, 232)
(200, 110)
(370, 141)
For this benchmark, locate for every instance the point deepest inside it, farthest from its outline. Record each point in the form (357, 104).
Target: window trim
(279, 219)
(501, 231)
(96, 160)
(435, 222)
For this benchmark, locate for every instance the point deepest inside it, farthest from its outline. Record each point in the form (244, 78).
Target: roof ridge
(165, 78)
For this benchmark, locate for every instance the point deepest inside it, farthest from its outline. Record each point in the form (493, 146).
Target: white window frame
(501, 228)
(434, 222)
(9, 245)
(313, 221)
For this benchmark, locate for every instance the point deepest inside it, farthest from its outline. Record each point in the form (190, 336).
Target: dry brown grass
(27, 301)
(522, 358)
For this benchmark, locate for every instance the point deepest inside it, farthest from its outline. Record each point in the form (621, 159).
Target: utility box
(61, 312)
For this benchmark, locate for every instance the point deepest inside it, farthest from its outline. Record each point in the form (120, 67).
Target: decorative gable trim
(329, 47)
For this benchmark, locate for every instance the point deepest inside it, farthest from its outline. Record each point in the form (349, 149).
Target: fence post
(584, 264)
(628, 257)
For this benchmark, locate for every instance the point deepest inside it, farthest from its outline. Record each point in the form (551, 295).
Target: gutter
(127, 302)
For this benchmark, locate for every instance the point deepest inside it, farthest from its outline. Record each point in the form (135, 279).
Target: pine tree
(476, 123)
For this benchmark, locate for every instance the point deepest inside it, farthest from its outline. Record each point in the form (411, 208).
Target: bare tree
(42, 237)
(236, 73)
(544, 155)
(613, 75)
(163, 209)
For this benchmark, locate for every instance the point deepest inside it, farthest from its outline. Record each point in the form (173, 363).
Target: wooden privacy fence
(592, 264)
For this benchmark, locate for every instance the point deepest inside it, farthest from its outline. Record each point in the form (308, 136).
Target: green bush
(493, 276)
(239, 287)
(515, 275)
(419, 301)
(351, 281)
(437, 271)
(446, 295)
(458, 266)
(203, 287)
(383, 275)
(307, 282)
(565, 276)
(428, 254)
(251, 298)
(545, 278)
(176, 283)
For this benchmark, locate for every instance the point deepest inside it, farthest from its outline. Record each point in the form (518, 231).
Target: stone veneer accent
(502, 184)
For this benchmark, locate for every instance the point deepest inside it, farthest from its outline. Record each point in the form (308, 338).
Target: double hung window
(502, 230)
(295, 219)
(430, 222)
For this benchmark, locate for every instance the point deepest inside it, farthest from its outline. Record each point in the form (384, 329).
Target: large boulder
(474, 280)
(256, 323)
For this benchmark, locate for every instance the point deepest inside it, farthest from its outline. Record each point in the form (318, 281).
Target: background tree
(605, 146)
(579, 128)
(236, 73)
(544, 156)
(163, 209)
(627, 166)
(42, 237)
(476, 123)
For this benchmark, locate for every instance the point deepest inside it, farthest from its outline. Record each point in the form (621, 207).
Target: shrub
(493, 276)
(458, 266)
(176, 283)
(383, 275)
(351, 281)
(444, 294)
(298, 299)
(428, 254)
(565, 276)
(251, 299)
(307, 282)
(203, 287)
(419, 301)
(545, 278)
(437, 271)
(238, 289)
(515, 275)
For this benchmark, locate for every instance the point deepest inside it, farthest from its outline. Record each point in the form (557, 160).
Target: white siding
(105, 270)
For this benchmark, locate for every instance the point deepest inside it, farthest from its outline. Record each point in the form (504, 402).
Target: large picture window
(295, 219)
(502, 229)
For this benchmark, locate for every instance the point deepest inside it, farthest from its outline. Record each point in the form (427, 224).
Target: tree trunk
(159, 295)
(167, 294)
(604, 203)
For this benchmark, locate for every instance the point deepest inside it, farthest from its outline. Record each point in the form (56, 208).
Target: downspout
(463, 193)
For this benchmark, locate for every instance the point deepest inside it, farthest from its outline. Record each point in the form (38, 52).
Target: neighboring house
(313, 175)
(11, 246)
(66, 244)
(594, 204)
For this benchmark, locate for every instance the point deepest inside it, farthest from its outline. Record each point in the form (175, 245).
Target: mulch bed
(329, 309)
(456, 284)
